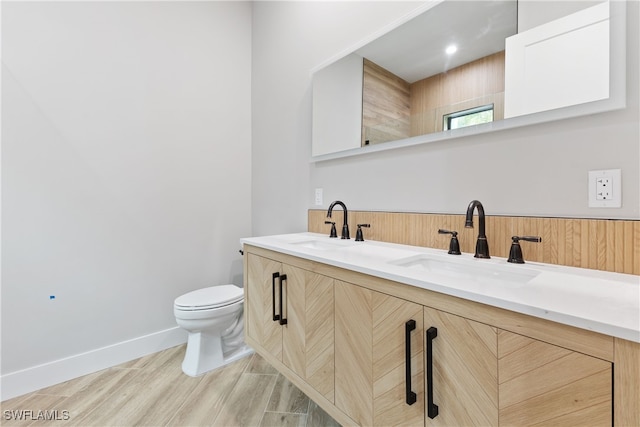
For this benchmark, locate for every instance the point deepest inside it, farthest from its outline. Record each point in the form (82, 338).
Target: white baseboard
(35, 378)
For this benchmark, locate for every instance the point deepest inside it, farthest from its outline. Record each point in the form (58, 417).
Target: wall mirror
(466, 67)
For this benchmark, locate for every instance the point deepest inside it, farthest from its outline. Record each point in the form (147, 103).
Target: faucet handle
(454, 244)
(359, 236)
(515, 253)
(528, 238)
(333, 232)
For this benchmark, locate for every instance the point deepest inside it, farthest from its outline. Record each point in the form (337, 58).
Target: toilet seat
(209, 298)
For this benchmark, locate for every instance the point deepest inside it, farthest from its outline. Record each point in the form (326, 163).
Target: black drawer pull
(409, 326)
(274, 276)
(432, 408)
(283, 321)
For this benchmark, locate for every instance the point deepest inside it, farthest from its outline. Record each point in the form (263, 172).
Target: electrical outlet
(605, 188)
(604, 191)
(319, 197)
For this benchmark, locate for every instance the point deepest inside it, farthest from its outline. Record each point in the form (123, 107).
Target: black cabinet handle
(409, 326)
(274, 276)
(283, 321)
(432, 408)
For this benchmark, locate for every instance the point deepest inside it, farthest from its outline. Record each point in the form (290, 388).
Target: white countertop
(599, 301)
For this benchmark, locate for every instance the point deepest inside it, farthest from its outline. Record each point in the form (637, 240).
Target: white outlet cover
(318, 197)
(615, 176)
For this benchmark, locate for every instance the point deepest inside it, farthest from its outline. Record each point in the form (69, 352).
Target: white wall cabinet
(558, 64)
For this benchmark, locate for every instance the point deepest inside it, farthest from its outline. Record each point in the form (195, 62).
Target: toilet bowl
(213, 318)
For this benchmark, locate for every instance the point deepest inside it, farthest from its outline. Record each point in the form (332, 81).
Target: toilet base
(204, 353)
(238, 354)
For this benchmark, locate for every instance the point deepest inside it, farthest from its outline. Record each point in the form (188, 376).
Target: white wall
(536, 170)
(534, 13)
(126, 164)
(289, 40)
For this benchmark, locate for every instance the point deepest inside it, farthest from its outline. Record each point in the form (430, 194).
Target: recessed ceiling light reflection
(450, 50)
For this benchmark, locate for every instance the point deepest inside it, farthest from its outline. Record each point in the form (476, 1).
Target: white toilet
(213, 318)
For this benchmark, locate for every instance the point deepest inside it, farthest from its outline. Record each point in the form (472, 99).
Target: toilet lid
(212, 297)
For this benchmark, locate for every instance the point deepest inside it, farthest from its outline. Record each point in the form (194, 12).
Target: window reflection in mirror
(470, 117)
(395, 109)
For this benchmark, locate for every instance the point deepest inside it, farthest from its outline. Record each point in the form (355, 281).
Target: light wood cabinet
(308, 341)
(345, 345)
(398, 361)
(289, 314)
(371, 357)
(354, 358)
(543, 384)
(465, 370)
(485, 376)
(260, 308)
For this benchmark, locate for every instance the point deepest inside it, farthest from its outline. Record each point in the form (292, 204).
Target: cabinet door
(354, 358)
(544, 384)
(319, 335)
(390, 334)
(371, 360)
(259, 304)
(308, 341)
(464, 370)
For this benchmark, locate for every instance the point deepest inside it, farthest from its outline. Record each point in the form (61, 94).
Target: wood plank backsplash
(600, 244)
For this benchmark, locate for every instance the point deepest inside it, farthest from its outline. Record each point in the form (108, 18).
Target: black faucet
(482, 246)
(345, 226)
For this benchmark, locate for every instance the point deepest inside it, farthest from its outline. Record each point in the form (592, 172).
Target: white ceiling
(415, 50)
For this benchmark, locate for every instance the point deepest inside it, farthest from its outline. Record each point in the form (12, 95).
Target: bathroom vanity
(387, 334)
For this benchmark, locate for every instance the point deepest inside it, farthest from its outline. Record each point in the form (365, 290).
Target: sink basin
(377, 253)
(485, 274)
(349, 249)
(317, 244)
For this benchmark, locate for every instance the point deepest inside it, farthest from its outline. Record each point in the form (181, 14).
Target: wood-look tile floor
(153, 391)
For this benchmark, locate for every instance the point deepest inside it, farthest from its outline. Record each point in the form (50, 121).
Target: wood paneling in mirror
(393, 109)
(385, 105)
(601, 244)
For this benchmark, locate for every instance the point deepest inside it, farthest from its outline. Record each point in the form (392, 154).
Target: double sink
(456, 267)
(596, 300)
